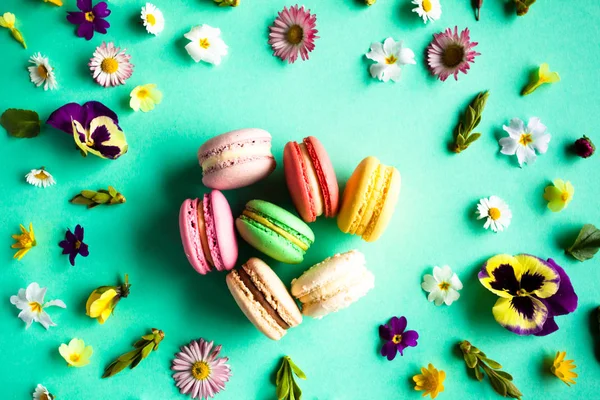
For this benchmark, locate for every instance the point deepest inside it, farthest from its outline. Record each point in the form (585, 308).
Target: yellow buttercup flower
(76, 353)
(559, 195)
(430, 380)
(543, 76)
(145, 97)
(8, 21)
(563, 368)
(25, 241)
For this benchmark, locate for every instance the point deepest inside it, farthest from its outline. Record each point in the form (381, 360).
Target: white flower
(525, 141)
(428, 9)
(443, 286)
(41, 393)
(31, 302)
(40, 178)
(496, 211)
(41, 73)
(389, 58)
(153, 19)
(206, 44)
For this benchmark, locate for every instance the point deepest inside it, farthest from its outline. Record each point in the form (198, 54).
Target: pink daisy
(293, 32)
(198, 370)
(110, 66)
(450, 53)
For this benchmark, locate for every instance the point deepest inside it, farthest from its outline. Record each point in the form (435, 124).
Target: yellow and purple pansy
(532, 292)
(95, 128)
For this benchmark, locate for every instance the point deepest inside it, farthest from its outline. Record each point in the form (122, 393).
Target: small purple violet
(396, 337)
(89, 19)
(73, 244)
(584, 147)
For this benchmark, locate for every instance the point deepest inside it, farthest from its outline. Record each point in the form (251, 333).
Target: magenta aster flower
(89, 19)
(110, 65)
(448, 53)
(199, 372)
(293, 32)
(396, 337)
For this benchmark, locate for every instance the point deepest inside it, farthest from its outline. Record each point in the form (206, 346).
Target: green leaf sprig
(463, 136)
(92, 198)
(287, 388)
(227, 3)
(477, 361)
(21, 123)
(143, 348)
(523, 6)
(586, 244)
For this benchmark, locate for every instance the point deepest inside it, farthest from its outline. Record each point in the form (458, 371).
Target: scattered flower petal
(389, 57)
(206, 44)
(293, 32)
(559, 195)
(450, 53)
(442, 286)
(25, 241)
(145, 97)
(543, 76)
(31, 303)
(584, 147)
(76, 353)
(496, 212)
(153, 19)
(525, 141)
(89, 19)
(42, 73)
(429, 10)
(40, 178)
(430, 380)
(396, 337)
(563, 369)
(41, 393)
(73, 244)
(110, 65)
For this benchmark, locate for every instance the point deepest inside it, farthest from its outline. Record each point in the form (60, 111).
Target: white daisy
(41, 73)
(31, 302)
(525, 141)
(40, 178)
(443, 286)
(110, 65)
(496, 211)
(389, 57)
(41, 393)
(153, 19)
(206, 44)
(429, 10)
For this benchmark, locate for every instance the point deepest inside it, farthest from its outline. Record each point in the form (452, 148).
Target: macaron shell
(240, 174)
(228, 138)
(356, 194)
(190, 237)
(326, 174)
(387, 209)
(303, 192)
(223, 241)
(282, 216)
(269, 242)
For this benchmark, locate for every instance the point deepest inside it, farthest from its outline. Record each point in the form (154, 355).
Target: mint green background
(333, 97)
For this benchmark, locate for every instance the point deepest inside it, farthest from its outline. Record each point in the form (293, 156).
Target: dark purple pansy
(396, 337)
(62, 118)
(73, 244)
(89, 19)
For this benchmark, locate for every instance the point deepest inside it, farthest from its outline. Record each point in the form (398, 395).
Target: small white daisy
(153, 19)
(429, 10)
(442, 286)
(40, 178)
(41, 73)
(389, 57)
(41, 393)
(110, 65)
(496, 211)
(206, 44)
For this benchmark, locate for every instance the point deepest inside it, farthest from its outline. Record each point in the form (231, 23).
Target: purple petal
(505, 279)
(564, 301)
(86, 30)
(70, 237)
(83, 250)
(398, 325)
(66, 246)
(409, 338)
(72, 256)
(61, 118)
(101, 10)
(389, 350)
(550, 326)
(93, 109)
(401, 346)
(84, 5)
(385, 333)
(100, 134)
(75, 17)
(101, 25)
(79, 232)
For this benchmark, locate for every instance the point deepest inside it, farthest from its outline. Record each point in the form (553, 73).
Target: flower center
(77, 244)
(427, 5)
(391, 59)
(295, 34)
(204, 43)
(44, 396)
(41, 176)
(453, 55)
(74, 357)
(150, 19)
(397, 339)
(494, 213)
(142, 94)
(521, 292)
(200, 370)
(444, 286)
(89, 16)
(109, 65)
(564, 196)
(35, 307)
(42, 71)
(525, 139)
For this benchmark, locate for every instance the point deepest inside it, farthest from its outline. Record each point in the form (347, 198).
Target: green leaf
(472, 137)
(88, 194)
(472, 117)
(21, 123)
(587, 243)
(296, 390)
(470, 360)
(287, 388)
(130, 355)
(112, 191)
(491, 363)
(296, 370)
(283, 385)
(505, 375)
(147, 350)
(136, 361)
(478, 373)
(498, 385)
(512, 390)
(115, 367)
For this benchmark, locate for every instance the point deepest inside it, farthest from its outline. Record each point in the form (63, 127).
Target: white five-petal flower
(443, 285)
(206, 44)
(40, 178)
(429, 10)
(389, 58)
(153, 19)
(496, 211)
(525, 141)
(41, 393)
(41, 73)
(31, 303)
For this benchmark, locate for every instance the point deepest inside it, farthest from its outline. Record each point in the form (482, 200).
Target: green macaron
(275, 231)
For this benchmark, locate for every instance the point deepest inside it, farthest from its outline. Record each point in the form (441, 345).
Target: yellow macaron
(369, 199)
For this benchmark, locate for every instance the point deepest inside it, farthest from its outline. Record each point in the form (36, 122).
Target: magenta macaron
(236, 159)
(208, 234)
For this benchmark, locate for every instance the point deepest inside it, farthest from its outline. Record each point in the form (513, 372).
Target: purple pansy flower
(396, 338)
(73, 244)
(89, 19)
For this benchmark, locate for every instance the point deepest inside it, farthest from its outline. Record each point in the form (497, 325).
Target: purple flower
(89, 19)
(73, 244)
(584, 147)
(396, 338)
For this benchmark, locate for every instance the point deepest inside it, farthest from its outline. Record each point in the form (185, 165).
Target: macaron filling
(235, 153)
(202, 232)
(315, 166)
(264, 222)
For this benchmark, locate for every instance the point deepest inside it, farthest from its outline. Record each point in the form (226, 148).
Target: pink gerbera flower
(293, 32)
(450, 53)
(200, 372)
(110, 65)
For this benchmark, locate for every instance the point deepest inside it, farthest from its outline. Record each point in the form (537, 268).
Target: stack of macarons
(243, 157)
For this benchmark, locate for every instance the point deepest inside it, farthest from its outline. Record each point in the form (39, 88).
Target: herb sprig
(92, 198)
(143, 348)
(287, 388)
(463, 136)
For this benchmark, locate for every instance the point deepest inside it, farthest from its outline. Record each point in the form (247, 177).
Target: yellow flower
(76, 354)
(145, 97)
(430, 380)
(543, 76)
(559, 195)
(101, 305)
(8, 20)
(25, 241)
(55, 2)
(562, 368)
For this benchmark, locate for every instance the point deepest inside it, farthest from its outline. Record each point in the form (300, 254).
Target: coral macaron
(236, 159)
(207, 233)
(311, 179)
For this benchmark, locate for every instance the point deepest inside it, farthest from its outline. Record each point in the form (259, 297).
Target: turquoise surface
(333, 97)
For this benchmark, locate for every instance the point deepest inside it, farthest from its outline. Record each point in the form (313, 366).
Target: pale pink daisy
(293, 32)
(110, 65)
(450, 53)
(199, 372)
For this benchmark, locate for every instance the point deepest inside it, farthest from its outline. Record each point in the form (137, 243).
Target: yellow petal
(556, 205)
(552, 193)
(99, 306)
(570, 189)
(134, 103)
(560, 184)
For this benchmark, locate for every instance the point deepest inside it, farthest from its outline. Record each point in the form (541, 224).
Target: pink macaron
(311, 179)
(236, 159)
(207, 233)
